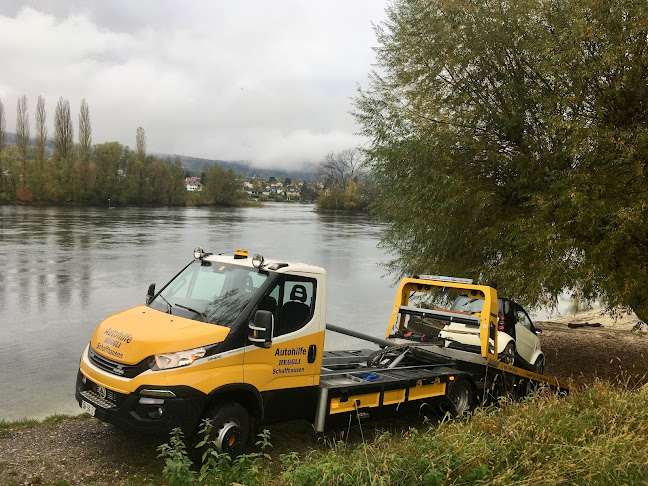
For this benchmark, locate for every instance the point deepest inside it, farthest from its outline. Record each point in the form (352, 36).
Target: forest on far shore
(60, 171)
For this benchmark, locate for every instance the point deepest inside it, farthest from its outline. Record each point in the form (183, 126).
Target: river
(63, 269)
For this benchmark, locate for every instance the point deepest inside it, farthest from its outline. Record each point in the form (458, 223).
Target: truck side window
(297, 304)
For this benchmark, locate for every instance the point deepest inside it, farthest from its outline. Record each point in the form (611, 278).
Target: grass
(599, 436)
(24, 423)
(596, 437)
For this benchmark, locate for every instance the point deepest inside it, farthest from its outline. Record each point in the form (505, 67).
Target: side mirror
(150, 293)
(260, 331)
(538, 331)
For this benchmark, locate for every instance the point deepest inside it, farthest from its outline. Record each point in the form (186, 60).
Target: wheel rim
(228, 435)
(461, 399)
(509, 355)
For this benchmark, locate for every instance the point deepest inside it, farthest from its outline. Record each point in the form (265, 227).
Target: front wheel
(538, 366)
(230, 427)
(461, 396)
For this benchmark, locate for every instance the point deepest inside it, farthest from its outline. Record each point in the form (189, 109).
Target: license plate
(87, 408)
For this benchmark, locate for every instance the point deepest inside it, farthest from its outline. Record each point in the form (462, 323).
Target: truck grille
(93, 397)
(115, 368)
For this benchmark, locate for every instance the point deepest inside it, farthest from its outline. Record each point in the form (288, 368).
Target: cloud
(269, 82)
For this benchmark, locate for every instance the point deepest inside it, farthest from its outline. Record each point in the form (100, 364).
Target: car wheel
(527, 388)
(508, 355)
(538, 366)
(461, 397)
(230, 427)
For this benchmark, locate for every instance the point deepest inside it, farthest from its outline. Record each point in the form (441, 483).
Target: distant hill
(308, 172)
(10, 139)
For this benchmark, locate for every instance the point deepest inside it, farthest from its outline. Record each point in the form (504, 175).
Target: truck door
(294, 356)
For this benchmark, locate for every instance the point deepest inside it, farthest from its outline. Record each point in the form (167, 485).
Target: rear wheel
(230, 427)
(461, 396)
(526, 388)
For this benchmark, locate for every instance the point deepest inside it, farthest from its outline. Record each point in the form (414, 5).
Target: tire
(461, 397)
(527, 388)
(381, 358)
(230, 427)
(538, 366)
(508, 355)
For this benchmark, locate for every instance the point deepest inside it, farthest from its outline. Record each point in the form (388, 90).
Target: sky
(265, 81)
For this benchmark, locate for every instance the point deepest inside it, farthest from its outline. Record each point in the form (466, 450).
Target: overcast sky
(268, 81)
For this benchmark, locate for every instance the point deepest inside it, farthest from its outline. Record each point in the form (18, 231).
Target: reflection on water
(65, 269)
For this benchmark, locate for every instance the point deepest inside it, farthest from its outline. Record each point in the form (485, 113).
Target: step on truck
(240, 341)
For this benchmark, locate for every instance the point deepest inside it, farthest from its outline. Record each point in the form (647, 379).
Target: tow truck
(240, 341)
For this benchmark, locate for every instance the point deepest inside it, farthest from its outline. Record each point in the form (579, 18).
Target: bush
(23, 194)
(217, 468)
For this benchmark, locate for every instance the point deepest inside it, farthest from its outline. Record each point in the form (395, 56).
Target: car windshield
(464, 303)
(210, 291)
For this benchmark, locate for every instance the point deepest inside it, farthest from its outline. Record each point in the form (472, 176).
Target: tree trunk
(641, 311)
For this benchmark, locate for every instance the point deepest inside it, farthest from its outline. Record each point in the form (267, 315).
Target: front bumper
(141, 413)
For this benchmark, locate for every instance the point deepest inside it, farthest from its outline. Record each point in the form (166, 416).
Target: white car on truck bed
(517, 341)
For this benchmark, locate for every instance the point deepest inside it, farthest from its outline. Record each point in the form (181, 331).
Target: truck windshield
(210, 291)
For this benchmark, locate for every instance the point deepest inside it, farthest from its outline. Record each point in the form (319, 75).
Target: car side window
(523, 318)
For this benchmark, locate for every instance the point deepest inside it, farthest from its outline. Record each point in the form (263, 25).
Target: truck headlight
(175, 360)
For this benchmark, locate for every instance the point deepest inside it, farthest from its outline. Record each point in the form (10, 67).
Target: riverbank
(84, 451)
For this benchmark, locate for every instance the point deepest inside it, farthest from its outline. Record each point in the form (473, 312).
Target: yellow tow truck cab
(240, 340)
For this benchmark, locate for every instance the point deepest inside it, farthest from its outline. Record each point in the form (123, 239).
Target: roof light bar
(442, 278)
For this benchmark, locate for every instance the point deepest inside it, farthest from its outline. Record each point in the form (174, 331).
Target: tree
(140, 142)
(177, 188)
(63, 130)
(111, 160)
(340, 172)
(509, 143)
(3, 141)
(67, 176)
(85, 144)
(221, 187)
(41, 143)
(22, 135)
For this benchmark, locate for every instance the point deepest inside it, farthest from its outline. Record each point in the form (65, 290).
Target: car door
(526, 340)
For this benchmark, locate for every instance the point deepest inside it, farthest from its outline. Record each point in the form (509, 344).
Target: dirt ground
(613, 351)
(84, 451)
